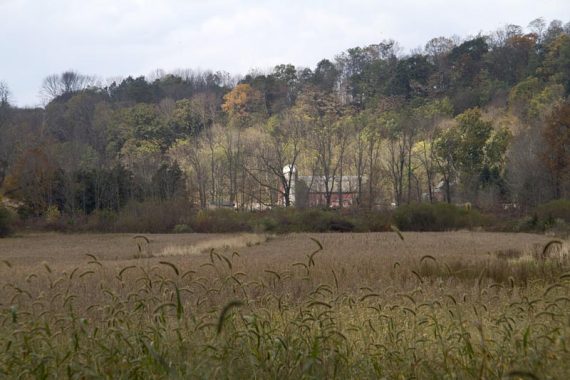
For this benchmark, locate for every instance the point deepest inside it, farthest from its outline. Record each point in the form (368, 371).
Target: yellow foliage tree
(243, 101)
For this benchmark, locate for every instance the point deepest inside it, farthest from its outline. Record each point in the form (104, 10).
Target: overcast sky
(117, 38)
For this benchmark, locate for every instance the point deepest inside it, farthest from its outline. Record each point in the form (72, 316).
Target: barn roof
(316, 184)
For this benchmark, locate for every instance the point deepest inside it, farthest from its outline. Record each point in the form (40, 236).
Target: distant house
(311, 191)
(222, 204)
(438, 192)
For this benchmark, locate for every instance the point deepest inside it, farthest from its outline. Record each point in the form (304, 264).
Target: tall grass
(417, 316)
(226, 243)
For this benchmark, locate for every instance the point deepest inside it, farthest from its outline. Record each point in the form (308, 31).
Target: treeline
(482, 120)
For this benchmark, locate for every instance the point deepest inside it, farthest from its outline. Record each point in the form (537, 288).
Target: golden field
(412, 305)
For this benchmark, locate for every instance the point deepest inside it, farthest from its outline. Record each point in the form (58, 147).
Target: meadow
(439, 305)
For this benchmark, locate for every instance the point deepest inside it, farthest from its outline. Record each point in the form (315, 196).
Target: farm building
(312, 191)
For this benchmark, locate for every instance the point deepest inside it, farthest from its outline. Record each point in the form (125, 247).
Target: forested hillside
(483, 119)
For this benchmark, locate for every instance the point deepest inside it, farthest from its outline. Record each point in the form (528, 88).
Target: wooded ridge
(483, 120)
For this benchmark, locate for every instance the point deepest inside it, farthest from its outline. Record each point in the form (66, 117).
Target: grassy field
(417, 305)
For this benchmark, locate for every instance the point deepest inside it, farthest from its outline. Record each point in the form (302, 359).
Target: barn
(312, 191)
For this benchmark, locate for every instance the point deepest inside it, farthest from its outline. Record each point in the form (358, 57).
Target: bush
(549, 212)
(182, 229)
(415, 217)
(6, 222)
(287, 220)
(314, 220)
(152, 216)
(220, 220)
(181, 217)
(436, 217)
(321, 220)
(553, 216)
(372, 221)
(52, 215)
(102, 220)
(267, 224)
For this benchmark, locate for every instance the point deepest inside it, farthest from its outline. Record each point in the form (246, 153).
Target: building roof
(316, 184)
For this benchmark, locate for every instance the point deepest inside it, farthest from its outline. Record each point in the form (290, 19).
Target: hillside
(482, 120)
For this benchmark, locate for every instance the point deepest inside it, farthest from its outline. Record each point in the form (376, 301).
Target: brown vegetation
(421, 305)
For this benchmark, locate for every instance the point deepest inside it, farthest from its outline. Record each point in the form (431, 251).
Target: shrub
(6, 222)
(152, 216)
(341, 225)
(321, 220)
(281, 220)
(220, 220)
(415, 217)
(314, 220)
(553, 216)
(102, 220)
(436, 217)
(305, 220)
(372, 221)
(52, 215)
(450, 217)
(182, 228)
(267, 224)
(557, 209)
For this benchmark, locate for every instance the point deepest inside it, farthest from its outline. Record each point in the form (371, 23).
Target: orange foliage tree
(242, 101)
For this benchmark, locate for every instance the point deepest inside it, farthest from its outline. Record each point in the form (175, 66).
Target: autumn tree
(437, 52)
(243, 105)
(36, 180)
(427, 118)
(279, 146)
(365, 153)
(395, 130)
(139, 136)
(556, 66)
(327, 139)
(472, 150)
(399, 122)
(556, 155)
(192, 156)
(206, 106)
(513, 56)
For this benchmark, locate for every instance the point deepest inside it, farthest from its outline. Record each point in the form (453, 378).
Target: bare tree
(192, 156)
(280, 148)
(4, 94)
(4, 111)
(342, 141)
(65, 83)
(325, 136)
(205, 106)
(396, 164)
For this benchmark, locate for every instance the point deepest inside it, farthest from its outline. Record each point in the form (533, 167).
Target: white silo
(290, 173)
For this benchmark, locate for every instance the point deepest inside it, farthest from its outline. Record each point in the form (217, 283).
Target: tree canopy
(481, 119)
